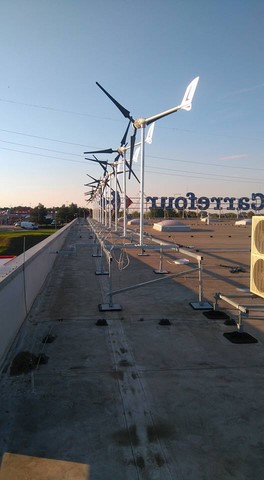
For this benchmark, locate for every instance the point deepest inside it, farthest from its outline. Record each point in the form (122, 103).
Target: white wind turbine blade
(188, 96)
(119, 166)
(150, 133)
(185, 105)
(136, 153)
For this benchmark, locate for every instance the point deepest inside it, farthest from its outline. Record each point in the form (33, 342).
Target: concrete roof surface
(153, 391)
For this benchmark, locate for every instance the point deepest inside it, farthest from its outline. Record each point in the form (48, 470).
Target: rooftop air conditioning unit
(257, 256)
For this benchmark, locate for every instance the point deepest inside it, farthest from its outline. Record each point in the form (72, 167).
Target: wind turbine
(98, 187)
(141, 122)
(94, 180)
(122, 152)
(107, 178)
(104, 164)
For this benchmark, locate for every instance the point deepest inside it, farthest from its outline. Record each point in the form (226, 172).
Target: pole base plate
(106, 307)
(201, 305)
(161, 272)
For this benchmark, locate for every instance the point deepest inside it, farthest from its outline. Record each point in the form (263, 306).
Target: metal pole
(104, 212)
(200, 281)
(110, 284)
(100, 207)
(105, 207)
(97, 209)
(161, 270)
(226, 299)
(124, 194)
(109, 204)
(107, 307)
(115, 170)
(149, 282)
(142, 185)
(240, 326)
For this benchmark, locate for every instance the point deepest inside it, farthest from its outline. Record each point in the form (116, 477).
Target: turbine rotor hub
(121, 150)
(139, 123)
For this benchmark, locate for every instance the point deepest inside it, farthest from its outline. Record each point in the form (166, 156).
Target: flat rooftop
(154, 390)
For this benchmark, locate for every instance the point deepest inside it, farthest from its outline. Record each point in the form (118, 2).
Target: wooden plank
(23, 467)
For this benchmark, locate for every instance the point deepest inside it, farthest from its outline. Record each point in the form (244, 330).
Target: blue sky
(144, 53)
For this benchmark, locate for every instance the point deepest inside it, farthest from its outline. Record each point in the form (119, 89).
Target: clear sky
(144, 53)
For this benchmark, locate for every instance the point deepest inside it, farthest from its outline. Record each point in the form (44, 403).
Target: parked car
(29, 225)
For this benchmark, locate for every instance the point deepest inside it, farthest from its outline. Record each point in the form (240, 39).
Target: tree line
(61, 215)
(45, 216)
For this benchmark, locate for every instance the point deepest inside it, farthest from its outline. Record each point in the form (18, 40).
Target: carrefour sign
(193, 202)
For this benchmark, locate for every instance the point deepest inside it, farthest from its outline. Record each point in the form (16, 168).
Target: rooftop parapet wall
(20, 282)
